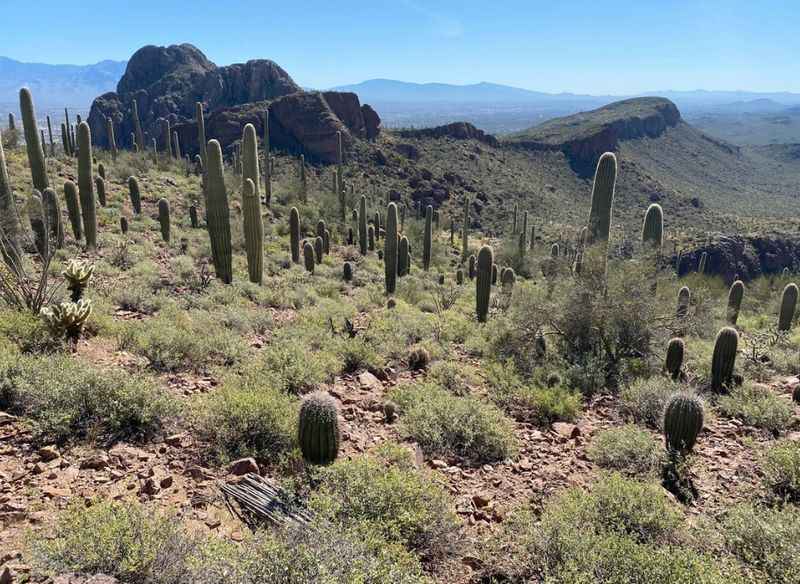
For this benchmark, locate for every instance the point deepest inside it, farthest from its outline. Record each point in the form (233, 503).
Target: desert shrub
(757, 406)
(179, 340)
(356, 353)
(67, 399)
(781, 468)
(386, 493)
(447, 425)
(627, 449)
(765, 540)
(118, 539)
(645, 400)
(454, 376)
(248, 418)
(621, 531)
(27, 331)
(291, 366)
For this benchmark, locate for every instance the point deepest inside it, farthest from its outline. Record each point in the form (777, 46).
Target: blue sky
(599, 47)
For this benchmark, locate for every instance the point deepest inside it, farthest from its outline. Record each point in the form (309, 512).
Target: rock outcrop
(166, 82)
(584, 136)
(456, 131)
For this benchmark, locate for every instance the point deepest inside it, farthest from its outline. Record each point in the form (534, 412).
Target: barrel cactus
(735, 295)
(294, 234)
(683, 420)
(788, 305)
(471, 267)
(674, 360)
(347, 272)
(724, 358)
(483, 283)
(163, 219)
(218, 212)
(390, 251)
(86, 185)
(318, 428)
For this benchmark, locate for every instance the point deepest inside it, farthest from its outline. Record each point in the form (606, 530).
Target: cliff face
(456, 130)
(583, 137)
(166, 82)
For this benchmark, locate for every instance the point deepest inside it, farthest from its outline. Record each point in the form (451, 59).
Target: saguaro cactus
(219, 218)
(38, 219)
(10, 226)
(100, 187)
(163, 218)
(112, 143)
(166, 137)
(33, 143)
(318, 429)
(390, 248)
(347, 271)
(427, 240)
(403, 257)
(50, 137)
(371, 237)
(701, 267)
(465, 231)
(135, 195)
(483, 282)
(86, 185)
(12, 124)
(515, 219)
(788, 305)
(735, 295)
(137, 127)
(507, 280)
(471, 267)
(683, 420)
(52, 210)
(724, 358)
(303, 181)
(250, 158)
(73, 208)
(308, 257)
(362, 225)
(674, 359)
(653, 226)
(267, 161)
(684, 298)
(176, 146)
(605, 179)
(294, 234)
(253, 231)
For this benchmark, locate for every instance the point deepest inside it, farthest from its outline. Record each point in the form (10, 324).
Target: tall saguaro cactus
(427, 239)
(735, 295)
(219, 215)
(201, 137)
(465, 231)
(605, 179)
(10, 226)
(50, 137)
(166, 137)
(137, 127)
(483, 282)
(33, 142)
(112, 143)
(788, 305)
(135, 195)
(303, 180)
(390, 244)
(253, 229)
(362, 225)
(73, 208)
(653, 226)
(294, 234)
(86, 185)
(164, 219)
(250, 157)
(724, 357)
(340, 176)
(267, 161)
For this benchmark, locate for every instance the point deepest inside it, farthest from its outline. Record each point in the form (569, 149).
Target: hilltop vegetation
(440, 395)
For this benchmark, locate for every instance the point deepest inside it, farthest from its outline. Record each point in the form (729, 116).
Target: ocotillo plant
(294, 234)
(33, 142)
(724, 358)
(163, 218)
(112, 143)
(653, 226)
(483, 282)
(427, 239)
(735, 295)
(390, 245)
(362, 225)
(250, 158)
(100, 187)
(86, 185)
(137, 127)
(683, 420)
(318, 429)
(253, 230)
(674, 360)
(308, 257)
(11, 226)
(465, 231)
(218, 214)
(605, 178)
(135, 195)
(788, 305)
(73, 209)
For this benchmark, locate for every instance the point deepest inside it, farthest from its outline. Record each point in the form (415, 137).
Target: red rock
(369, 381)
(96, 462)
(243, 466)
(48, 453)
(566, 430)
(482, 499)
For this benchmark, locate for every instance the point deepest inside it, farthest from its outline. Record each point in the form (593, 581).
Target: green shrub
(386, 493)
(758, 406)
(645, 400)
(291, 366)
(781, 468)
(628, 449)
(447, 425)
(247, 418)
(27, 331)
(454, 376)
(622, 531)
(118, 539)
(765, 540)
(67, 399)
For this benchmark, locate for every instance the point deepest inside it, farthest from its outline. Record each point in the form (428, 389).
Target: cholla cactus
(67, 319)
(77, 274)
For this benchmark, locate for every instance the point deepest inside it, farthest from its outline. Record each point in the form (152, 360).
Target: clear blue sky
(597, 46)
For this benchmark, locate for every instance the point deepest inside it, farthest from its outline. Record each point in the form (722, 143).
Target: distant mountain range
(57, 86)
